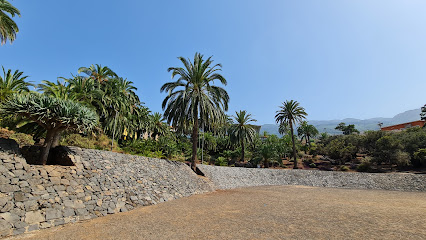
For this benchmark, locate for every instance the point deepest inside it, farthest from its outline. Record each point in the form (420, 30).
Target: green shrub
(100, 142)
(22, 139)
(420, 156)
(78, 141)
(344, 168)
(221, 161)
(365, 165)
(312, 165)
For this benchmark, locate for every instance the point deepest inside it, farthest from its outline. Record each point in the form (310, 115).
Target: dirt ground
(274, 212)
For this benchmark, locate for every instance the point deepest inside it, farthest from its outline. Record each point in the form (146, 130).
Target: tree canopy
(53, 114)
(193, 98)
(8, 27)
(289, 114)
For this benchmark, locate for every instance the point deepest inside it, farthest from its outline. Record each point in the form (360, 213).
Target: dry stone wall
(227, 178)
(36, 197)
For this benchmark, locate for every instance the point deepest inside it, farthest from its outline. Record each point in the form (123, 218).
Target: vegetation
(242, 132)
(307, 131)
(382, 149)
(11, 83)
(53, 114)
(8, 27)
(290, 114)
(192, 100)
(347, 130)
(101, 110)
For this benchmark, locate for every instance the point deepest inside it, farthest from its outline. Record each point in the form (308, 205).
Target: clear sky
(338, 58)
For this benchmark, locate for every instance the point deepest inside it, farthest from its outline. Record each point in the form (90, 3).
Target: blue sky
(339, 59)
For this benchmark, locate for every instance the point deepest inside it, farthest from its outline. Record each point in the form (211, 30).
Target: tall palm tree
(99, 73)
(307, 131)
(193, 99)
(11, 83)
(291, 113)
(8, 27)
(242, 131)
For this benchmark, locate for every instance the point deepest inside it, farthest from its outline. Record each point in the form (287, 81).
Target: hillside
(362, 125)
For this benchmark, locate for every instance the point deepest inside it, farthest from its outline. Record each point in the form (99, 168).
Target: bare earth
(277, 212)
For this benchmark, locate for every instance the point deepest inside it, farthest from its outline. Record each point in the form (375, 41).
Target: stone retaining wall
(101, 182)
(227, 178)
(36, 197)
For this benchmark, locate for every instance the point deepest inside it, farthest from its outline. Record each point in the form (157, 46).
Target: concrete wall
(227, 178)
(36, 197)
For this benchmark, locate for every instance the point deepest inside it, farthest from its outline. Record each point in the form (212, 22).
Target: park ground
(273, 212)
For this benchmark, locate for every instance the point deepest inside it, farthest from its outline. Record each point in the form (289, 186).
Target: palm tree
(8, 28)
(99, 73)
(59, 89)
(193, 99)
(12, 83)
(156, 125)
(291, 113)
(119, 105)
(242, 131)
(307, 131)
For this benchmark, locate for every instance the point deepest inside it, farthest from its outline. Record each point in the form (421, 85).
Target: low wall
(227, 178)
(36, 197)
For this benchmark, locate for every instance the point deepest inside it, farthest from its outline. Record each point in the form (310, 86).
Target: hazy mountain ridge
(362, 125)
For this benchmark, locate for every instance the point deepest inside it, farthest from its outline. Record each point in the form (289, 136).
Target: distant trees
(8, 27)
(307, 131)
(291, 113)
(242, 131)
(193, 99)
(347, 130)
(53, 114)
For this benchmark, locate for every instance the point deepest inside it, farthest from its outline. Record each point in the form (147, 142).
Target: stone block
(53, 214)
(33, 227)
(5, 228)
(68, 212)
(31, 205)
(34, 217)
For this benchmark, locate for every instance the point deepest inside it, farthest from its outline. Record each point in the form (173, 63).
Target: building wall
(402, 126)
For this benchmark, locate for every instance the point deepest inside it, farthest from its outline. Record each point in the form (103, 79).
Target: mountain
(362, 125)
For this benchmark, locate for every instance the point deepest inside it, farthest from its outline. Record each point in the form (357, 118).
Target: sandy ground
(277, 212)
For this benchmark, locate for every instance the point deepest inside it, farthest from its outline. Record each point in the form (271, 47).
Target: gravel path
(273, 212)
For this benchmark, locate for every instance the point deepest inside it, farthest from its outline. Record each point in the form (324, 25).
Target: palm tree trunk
(294, 146)
(242, 151)
(194, 143)
(50, 136)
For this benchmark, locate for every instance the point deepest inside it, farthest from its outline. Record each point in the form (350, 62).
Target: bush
(100, 142)
(221, 161)
(420, 156)
(22, 139)
(312, 165)
(365, 165)
(344, 168)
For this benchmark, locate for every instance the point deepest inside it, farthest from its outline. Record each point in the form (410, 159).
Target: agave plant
(53, 114)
